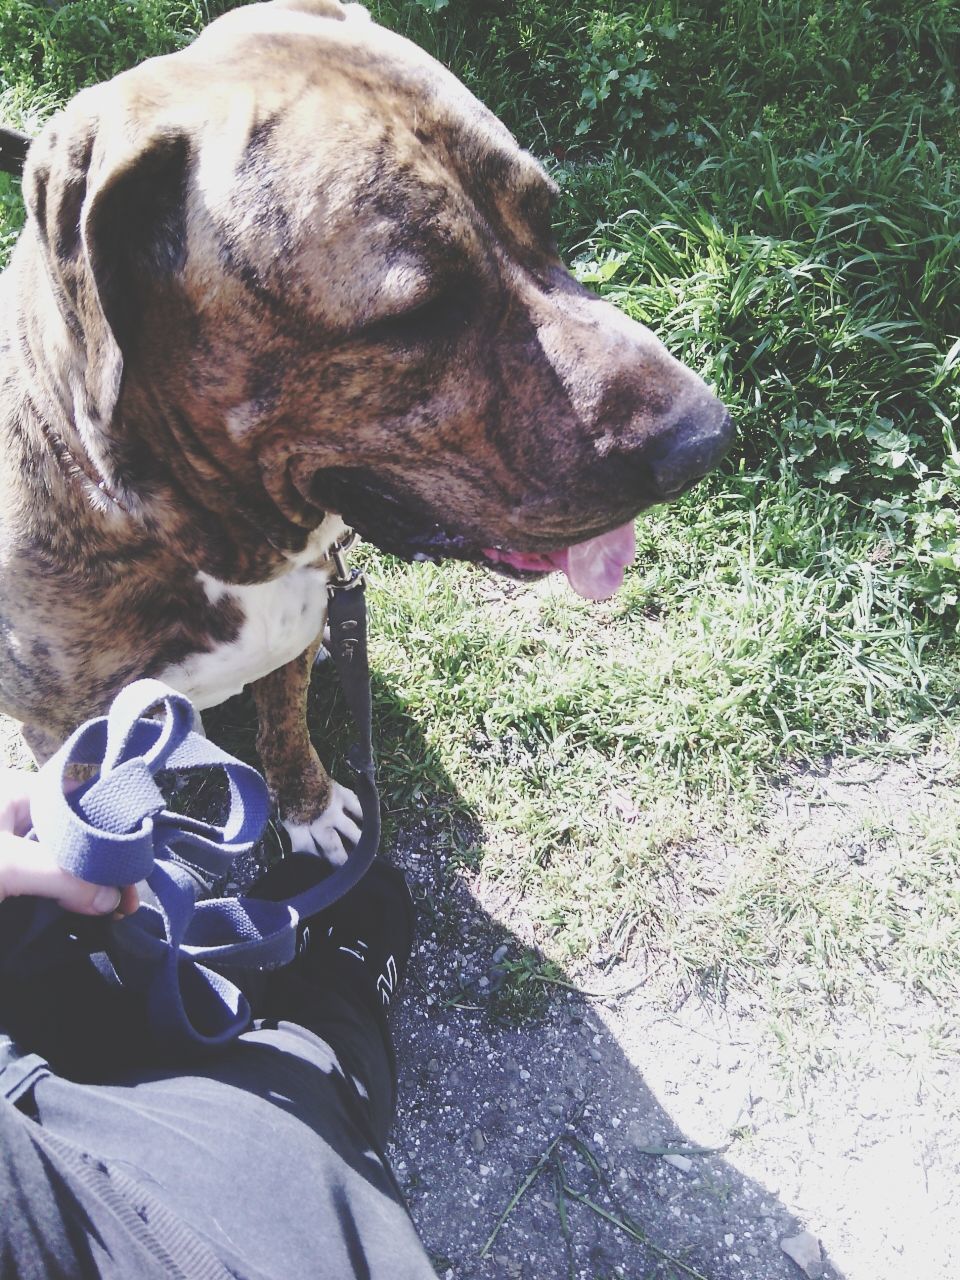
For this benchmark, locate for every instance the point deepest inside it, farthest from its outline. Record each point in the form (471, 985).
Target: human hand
(27, 868)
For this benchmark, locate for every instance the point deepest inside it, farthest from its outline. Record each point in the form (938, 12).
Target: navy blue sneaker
(365, 939)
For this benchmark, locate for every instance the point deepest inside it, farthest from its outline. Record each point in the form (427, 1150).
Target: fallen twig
(527, 1183)
(632, 1230)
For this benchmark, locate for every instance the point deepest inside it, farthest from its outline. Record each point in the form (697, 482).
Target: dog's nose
(690, 449)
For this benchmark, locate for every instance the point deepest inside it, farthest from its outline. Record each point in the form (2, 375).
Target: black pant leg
(347, 1018)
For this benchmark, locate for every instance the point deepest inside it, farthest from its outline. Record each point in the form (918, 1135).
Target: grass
(775, 188)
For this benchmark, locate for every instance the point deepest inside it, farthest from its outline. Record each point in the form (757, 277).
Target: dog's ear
(109, 211)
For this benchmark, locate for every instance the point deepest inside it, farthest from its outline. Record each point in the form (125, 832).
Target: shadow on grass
(527, 1141)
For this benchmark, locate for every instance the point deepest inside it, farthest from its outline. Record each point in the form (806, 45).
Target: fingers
(15, 800)
(129, 900)
(17, 787)
(27, 868)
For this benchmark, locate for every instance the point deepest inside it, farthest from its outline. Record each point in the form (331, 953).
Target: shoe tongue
(595, 568)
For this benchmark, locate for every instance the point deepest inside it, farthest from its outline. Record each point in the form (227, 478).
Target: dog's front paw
(332, 832)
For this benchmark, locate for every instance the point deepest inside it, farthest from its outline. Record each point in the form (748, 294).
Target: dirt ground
(698, 1155)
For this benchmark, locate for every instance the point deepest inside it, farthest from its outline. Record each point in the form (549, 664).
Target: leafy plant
(60, 48)
(615, 72)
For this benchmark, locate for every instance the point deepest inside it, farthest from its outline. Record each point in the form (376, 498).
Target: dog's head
(300, 256)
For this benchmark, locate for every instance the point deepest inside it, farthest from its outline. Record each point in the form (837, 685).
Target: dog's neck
(37, 354)
(227, 529)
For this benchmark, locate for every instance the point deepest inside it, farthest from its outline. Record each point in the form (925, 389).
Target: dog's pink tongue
(595, 569)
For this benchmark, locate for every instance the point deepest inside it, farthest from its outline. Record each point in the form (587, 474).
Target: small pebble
(804, 1250)
(683, 1163)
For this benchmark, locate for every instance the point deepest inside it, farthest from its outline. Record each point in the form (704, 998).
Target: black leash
(347, 620)
(14, 146)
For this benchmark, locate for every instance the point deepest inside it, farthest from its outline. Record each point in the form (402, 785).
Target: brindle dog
(291, 277)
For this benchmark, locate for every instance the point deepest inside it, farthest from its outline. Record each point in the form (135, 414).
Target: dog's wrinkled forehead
(342, 141)
(357, 69)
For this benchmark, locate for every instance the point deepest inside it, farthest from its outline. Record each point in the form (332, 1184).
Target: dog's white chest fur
(281, 619)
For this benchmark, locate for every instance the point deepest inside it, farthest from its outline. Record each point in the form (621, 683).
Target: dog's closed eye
(440, 318)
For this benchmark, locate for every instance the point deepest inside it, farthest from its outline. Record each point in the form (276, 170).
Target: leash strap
(14, 146)
(117, 830)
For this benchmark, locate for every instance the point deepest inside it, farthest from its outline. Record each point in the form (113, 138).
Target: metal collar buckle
(344, 576)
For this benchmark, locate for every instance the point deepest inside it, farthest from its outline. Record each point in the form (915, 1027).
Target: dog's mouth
(594, 567)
